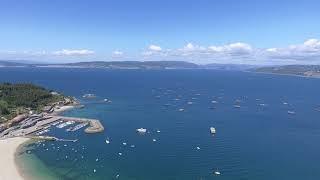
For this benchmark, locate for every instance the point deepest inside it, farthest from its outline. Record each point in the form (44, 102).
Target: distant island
(296, 70)
(130, 65)
(110, 65)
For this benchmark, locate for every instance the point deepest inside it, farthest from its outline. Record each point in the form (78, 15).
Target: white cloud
(73, 52)
(307, 52)
(117, 53)
(154, 48)
(312, 43)
(191, 47)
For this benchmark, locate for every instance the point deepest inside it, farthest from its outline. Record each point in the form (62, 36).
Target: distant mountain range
(230, 67)
(11, 64)
(297, 70)
(135, 65)
(132, 65)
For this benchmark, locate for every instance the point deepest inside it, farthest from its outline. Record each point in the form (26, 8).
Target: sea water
(259, 140)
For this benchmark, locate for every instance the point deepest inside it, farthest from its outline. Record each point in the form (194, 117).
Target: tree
(4, 110)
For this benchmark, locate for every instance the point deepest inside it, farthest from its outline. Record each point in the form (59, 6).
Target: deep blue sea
(259, 141)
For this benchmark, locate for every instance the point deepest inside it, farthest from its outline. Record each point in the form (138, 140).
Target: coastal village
(33, 125)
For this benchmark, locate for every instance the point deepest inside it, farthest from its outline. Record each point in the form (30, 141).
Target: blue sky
(201, 31)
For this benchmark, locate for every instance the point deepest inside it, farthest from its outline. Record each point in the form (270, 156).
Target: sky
(199, 31)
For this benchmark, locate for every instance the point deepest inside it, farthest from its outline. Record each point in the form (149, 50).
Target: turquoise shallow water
(253, 142)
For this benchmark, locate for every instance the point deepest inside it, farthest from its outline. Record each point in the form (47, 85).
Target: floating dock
(95, 125)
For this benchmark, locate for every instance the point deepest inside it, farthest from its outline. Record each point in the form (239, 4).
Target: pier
(51, 138)
(95, 126)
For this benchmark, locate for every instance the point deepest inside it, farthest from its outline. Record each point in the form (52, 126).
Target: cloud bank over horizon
(307, 52)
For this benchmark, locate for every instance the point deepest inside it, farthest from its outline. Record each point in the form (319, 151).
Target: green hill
(21, 98)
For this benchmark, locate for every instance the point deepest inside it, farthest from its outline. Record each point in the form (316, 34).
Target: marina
(38, 125)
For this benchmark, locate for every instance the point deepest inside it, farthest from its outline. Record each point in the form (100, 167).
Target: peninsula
(293, 70)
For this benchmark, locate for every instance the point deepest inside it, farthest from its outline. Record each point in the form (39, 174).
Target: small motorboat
(212, 130)
(291, 112)
(236, 106)
(141, 130)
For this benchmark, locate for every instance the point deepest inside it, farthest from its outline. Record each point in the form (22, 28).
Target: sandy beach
(8, 147)
(62, 109)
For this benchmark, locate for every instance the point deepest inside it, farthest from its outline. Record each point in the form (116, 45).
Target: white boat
(291, 112)
(77, 127)
(141, 130)
(214, 102)
(237, 106)
(154, 140)
(62, 125)
(181, 109)
(107, 100)
(198, 148)
(89, 96)
(56, 123)
(107, 141)
(212, 130)
(217, 173)
(65, 124)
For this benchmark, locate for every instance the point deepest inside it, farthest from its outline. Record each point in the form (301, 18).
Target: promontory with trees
(26, 98)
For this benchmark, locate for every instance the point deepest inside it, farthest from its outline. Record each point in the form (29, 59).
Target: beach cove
(8, 149)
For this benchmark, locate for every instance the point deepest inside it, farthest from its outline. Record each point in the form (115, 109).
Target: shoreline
(63, 109)
(279, 74)
(8, 148)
